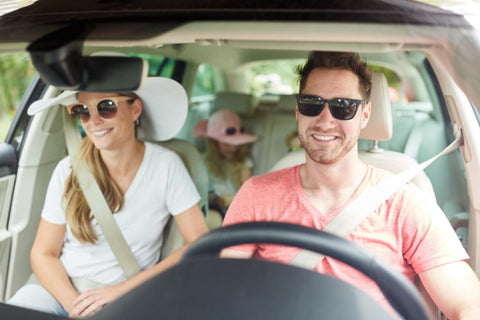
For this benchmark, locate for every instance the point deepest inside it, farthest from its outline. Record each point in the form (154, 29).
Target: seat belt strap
(96, 200)
(365, 204)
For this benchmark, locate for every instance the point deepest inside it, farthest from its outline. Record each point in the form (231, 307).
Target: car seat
(192, 160)
(274, 127)
(198, 172)
(241, 103)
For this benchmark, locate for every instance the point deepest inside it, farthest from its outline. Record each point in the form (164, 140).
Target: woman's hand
(94, 300)
(192, 226)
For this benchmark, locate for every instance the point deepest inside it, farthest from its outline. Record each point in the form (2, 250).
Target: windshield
(470, 9)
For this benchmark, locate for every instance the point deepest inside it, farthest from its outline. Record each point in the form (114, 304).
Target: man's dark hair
(337, 60)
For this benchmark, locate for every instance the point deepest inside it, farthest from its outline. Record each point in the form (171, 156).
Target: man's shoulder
(407, 190)
(379, 174)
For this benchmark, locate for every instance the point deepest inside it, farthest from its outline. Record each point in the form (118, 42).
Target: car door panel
(6, 189)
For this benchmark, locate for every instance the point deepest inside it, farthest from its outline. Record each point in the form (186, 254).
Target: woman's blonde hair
(223, 168)
(77, 210)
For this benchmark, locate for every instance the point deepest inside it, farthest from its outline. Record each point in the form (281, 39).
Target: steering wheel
(400, 293)
(205, 287)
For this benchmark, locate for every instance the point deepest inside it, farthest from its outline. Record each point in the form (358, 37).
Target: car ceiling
(59, 12)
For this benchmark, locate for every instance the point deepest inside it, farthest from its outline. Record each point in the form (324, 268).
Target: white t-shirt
(162, 186)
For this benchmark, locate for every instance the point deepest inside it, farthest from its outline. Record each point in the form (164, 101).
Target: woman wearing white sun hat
(143, 184)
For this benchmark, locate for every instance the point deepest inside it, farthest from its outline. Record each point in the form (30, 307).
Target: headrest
(242, 104)
(287, 102)
(165, 107)
(379, 126)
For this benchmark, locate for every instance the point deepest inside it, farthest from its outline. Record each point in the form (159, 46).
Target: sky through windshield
(470, 9)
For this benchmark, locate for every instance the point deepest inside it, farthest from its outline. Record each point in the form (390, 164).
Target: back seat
(243, 104)
(272, 126)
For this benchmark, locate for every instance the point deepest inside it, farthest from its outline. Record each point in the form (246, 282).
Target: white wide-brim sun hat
(165, 107)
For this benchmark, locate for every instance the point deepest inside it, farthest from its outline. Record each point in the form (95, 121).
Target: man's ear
(296, 111)
(366, 112)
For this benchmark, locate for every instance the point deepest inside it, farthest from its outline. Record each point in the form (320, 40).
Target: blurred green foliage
(393, 79)
(16, 72)
(204, 81)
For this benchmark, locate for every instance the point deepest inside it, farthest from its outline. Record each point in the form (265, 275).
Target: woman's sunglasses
(106, 109)
(340, 108)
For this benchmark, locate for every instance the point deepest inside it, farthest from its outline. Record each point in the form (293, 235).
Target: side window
(16, 73)
(207, 82)
(204, 84)
(396, 88)
(159, 66)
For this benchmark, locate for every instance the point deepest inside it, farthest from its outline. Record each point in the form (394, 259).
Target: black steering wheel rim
(400, 293)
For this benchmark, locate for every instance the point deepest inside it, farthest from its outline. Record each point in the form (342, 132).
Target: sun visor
(58, 59)
(64, 99)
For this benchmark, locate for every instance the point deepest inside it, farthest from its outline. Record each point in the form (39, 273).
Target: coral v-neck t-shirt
(408, 231)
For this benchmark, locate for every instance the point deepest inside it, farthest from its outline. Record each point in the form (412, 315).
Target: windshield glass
(469, 8)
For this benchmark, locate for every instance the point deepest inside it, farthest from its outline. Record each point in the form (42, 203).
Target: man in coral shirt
(408, 232)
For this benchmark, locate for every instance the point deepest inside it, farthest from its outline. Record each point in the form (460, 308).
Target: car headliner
(375, 11)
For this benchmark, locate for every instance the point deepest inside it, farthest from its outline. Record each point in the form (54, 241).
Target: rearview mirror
(58, 59)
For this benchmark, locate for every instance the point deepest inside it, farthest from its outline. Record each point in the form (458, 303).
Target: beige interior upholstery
(287, 102)
(380, 124)
(379, 128)
(272, 127)
(242, 103)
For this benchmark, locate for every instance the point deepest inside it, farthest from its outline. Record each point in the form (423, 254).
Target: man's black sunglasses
(340, 108)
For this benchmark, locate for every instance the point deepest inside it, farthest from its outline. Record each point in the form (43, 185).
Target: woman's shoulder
(156, 150)
(61, 171)
(158, 154)
(64, 166)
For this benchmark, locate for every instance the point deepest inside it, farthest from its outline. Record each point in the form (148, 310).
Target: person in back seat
(143, 183)
(226, 157)
(407, 231)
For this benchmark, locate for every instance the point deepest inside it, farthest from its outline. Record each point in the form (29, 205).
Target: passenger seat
(198, 172)
(191, 159)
